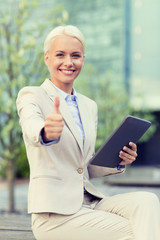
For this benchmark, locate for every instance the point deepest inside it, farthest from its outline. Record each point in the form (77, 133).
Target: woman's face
(64, 60)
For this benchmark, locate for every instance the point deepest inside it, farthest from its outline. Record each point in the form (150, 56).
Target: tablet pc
(131, 129)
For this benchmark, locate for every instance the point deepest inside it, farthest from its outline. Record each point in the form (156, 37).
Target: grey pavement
(134, 179)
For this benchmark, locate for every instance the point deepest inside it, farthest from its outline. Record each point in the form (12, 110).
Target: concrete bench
(15, 227)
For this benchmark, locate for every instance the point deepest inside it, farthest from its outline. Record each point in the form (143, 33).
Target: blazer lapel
(67, 116)
(85, 120)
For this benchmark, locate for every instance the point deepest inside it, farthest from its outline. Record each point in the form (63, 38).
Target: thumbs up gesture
(53, 123)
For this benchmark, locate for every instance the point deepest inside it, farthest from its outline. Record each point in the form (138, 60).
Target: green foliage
(21, 64)
(148, 115)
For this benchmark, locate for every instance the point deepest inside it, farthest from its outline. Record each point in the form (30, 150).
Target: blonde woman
(59, 128)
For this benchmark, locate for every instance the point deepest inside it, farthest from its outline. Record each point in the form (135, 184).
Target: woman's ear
(46, 56)
(83, 59)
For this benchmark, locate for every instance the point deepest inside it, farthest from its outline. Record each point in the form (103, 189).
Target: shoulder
(30, 95)
(30, 90)
(87, 100)
(89, 104)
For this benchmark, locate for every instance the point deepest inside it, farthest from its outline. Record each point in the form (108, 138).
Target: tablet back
(130, 129)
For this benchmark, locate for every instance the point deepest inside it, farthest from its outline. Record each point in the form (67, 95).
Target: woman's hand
(128, 155)
(53, 123)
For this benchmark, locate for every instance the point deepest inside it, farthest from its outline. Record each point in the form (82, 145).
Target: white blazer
(58, 172)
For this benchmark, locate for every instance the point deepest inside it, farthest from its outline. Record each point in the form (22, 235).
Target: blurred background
(121, 73)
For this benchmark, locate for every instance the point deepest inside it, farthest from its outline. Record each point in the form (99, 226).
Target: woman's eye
(76, 56)
(60, 55)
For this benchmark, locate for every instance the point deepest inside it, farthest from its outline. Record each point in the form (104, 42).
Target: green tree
(21, 63)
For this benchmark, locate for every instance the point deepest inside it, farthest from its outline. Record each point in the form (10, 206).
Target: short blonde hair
(67, 30)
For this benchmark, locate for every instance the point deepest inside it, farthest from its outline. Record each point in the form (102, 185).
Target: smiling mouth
(65, 71)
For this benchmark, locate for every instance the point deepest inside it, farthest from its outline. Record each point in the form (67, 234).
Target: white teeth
(67, 71)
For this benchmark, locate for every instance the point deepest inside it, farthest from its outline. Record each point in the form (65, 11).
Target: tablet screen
(131, 129)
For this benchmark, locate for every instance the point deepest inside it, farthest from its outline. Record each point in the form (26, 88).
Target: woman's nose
(68, 61)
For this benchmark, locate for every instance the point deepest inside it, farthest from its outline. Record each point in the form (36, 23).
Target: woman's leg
(141, 209)
(87, 224)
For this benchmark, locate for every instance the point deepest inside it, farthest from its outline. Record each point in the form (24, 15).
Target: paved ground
(135, 179)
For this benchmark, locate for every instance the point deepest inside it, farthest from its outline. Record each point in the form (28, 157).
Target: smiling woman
(64, 59)
(59, 128)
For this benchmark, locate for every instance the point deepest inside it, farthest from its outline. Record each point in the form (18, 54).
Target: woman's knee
(148, 197)
(147, 200)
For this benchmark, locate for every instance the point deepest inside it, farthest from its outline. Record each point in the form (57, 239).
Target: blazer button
(34, 138)
(80, 170)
